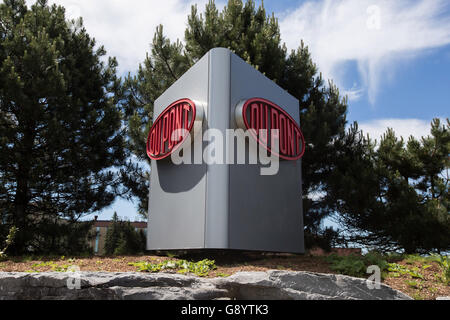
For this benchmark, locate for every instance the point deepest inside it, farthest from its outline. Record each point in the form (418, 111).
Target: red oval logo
(261, 116)
(164, 136)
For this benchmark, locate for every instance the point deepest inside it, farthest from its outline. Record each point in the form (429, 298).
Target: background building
(100, 227)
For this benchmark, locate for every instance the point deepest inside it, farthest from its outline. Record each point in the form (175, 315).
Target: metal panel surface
(177, 192)
(216, 235)
(265, 211)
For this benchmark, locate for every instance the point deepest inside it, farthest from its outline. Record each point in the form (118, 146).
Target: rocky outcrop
(157, 286)
(285, 285)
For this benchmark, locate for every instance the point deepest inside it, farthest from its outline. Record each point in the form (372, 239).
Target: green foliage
(356, 265)
(255, 36)
(122, 239)
(199, 268)
(414, 284)
(222, 275)
(417, 296)
(349, 265)
(376, 258)
(444, 262)
(413, 258)
(398, 269)
(394, 256)
(60, 126)
(66, 237)
(395, 194)
(415, 264)
(171, 254)
(325, 239)
(53, 266)
(9, 240)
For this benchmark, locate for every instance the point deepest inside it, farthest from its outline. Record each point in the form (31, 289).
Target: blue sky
(420, 90)
(392, 58)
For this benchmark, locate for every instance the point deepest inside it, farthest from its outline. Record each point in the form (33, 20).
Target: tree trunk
(22, 196)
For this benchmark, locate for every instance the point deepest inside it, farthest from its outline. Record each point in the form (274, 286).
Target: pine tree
(396, 194)
(254, 36)
(60, 126)
(121, 238)
(112, 235)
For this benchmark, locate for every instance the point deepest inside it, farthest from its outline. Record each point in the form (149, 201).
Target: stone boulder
(273, 285)
(286, 285)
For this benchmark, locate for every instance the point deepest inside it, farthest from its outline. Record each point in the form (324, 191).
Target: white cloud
(402, 128)
(374, 34)
(354, 93)
(126, 28)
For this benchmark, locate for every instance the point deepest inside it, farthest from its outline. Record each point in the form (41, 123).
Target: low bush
(356, 265)
(444, 262)
(9, 240)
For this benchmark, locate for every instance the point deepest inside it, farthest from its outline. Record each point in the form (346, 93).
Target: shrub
(324, 239)
(444, 262)
(355, 265)
(8, 242)
(376, 258)
(349, 265)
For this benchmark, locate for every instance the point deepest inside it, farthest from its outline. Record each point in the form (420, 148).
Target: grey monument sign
(217, 197)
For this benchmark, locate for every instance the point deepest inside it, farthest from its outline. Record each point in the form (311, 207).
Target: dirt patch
(424, 283)
(428, 287)
(226, 263)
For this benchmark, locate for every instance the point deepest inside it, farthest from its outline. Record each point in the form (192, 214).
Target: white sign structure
(236, 203)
